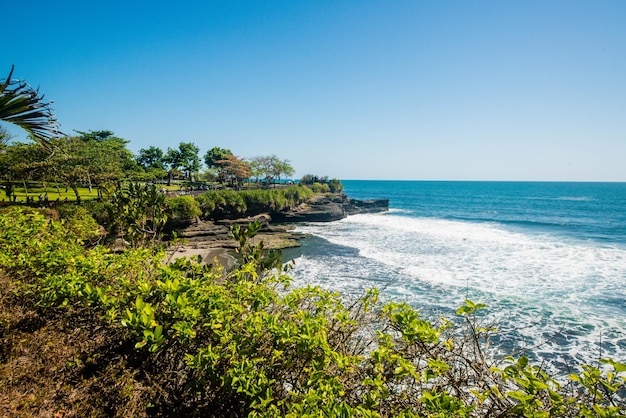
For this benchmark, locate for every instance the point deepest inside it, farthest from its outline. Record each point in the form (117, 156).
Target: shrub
(100, 211)
(80, 221)
(222, 204)
(190, 339)
(230, 203)
(309, 179)
(183, 207)
(335, 186)
(138, 213)
(320, 187)
(297, 194)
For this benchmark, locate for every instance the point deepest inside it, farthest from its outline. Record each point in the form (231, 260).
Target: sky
(354, 89)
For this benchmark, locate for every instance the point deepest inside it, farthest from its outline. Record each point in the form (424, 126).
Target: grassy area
(61, 193)
(52, 191)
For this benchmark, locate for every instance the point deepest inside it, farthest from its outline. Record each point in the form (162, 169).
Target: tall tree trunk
(25, 188)
(8, 189)
(75, 188)
(89, 181)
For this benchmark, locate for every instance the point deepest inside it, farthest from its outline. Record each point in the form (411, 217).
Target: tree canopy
(270, 167)
(99, 158)
(233, 169)
(184, 158)
(151, 157)
(213, 156)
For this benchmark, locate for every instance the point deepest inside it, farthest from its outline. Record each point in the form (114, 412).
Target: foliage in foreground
(147, 338)
(22, 105)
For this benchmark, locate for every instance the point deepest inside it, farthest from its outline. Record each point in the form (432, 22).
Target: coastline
(211, 241)
(222, 251)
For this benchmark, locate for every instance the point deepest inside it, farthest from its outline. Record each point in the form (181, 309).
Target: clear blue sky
(357, 89)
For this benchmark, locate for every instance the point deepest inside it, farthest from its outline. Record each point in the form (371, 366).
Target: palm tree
(21, 105)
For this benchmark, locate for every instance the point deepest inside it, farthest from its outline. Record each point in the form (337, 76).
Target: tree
(234, 170)
(99, 136)
(256, 169)
(23, 162)
(185, 158)
(209, 175)
(107, 158)
(151, 158)
(285, 167)
(214, 155)
(153, 163)
(94, 158)
(22, 105)
(270, 167)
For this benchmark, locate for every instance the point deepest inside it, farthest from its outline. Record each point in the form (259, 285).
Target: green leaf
(522, 362)
(619, 367)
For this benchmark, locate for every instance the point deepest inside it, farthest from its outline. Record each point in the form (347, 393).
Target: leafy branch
(21, 105)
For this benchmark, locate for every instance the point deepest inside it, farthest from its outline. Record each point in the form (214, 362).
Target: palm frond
(21, 105)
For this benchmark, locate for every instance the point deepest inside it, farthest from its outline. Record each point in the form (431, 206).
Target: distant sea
(549, 259)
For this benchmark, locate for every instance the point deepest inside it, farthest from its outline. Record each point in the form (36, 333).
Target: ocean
(549, 260)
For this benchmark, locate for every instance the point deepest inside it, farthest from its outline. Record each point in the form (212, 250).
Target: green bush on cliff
(231, 204)
(222, 203)
(335, 186)
(297, 194)
(320, 187)
(183, 207)
(128, 335)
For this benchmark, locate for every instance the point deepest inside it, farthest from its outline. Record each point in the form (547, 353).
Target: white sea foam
(575, 198)
(563, 294)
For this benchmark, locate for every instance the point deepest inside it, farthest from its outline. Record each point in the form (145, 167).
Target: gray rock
(328, 208)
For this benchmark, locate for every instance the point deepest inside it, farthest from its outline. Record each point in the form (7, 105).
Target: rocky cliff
(328, 208)
(276, 231)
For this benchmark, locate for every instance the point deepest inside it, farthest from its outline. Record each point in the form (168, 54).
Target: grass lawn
(60, 193)
(53, 193)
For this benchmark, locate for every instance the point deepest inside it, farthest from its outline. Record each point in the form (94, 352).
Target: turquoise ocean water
(549, 259)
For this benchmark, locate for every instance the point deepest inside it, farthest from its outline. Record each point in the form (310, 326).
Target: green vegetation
(185, 158)
(321, 184)
(270, 168)
(219, 204)
(86, 331)
(183, 208)
(128, 335)
(90, 164)
(54, 193)
(21, 105)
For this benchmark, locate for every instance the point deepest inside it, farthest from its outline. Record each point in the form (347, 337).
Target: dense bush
(80, 221)
(335, 186)
(222, 204)
(188, 339)
(138, 213)
(232, 204)
(320, 187)
(321, 184)
(183, 207)
(100, 211)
